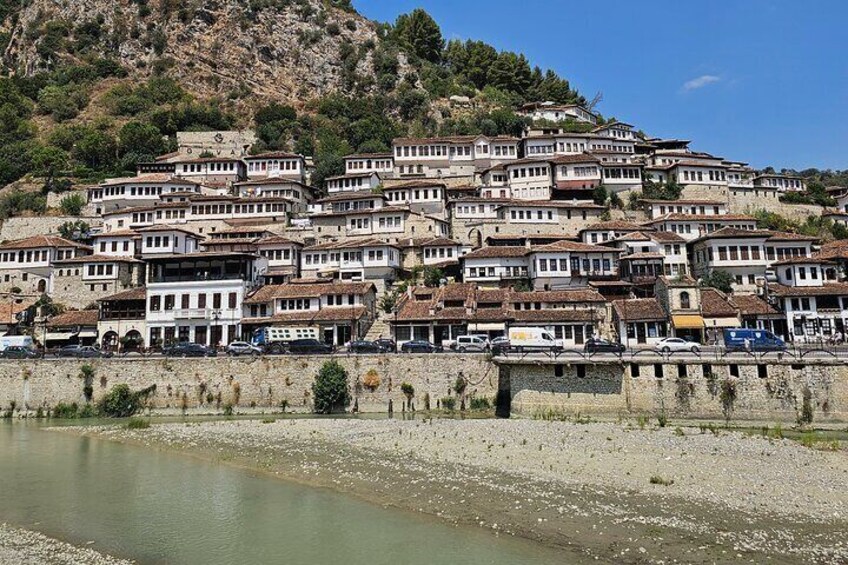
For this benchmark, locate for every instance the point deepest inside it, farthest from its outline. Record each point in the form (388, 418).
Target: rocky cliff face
(286, 50)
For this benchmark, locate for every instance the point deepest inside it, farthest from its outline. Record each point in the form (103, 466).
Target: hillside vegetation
(92, 87)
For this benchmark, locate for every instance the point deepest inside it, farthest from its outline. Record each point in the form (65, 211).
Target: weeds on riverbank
(480, 403)
(73, 411)
(552, 415)
(657, 480)
(138, 424)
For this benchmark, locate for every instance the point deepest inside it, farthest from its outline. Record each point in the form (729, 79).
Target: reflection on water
(160, 508)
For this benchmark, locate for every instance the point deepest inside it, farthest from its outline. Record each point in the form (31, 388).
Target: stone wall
(773, 392)
(20, 227)
(756, 392)
(260, 384)
(748, 201)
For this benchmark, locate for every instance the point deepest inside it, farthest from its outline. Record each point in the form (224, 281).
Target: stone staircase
(380, 328)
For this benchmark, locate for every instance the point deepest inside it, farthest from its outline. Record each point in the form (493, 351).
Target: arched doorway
(110, 340)
(42, 286)
(132, 341)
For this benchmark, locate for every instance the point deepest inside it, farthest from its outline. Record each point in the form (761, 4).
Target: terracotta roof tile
(639, 309)
(74, 318)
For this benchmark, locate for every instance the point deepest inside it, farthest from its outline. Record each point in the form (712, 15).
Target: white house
(197, 297)
(380, 163)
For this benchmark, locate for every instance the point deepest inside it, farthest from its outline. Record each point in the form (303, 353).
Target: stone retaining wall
(772, 392)
(263, 383)
(747, 391)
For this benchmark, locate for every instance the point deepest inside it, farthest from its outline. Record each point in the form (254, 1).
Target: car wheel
(696, 350)
(666, 350)
(462, 350)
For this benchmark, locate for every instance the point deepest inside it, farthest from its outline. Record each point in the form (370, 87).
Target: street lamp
(216, 315)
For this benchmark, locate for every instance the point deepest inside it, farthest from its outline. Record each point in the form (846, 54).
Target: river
(156, 507)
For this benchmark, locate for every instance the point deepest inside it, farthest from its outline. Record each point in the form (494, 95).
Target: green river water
(157, 507)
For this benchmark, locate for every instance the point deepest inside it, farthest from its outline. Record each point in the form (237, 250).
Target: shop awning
(723, 322)
(88, 333)
(59, 336)
(487, 326)
(687, 321)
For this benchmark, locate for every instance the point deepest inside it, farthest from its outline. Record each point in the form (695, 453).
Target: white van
(470, 343)
(532, 338)
(17, 341)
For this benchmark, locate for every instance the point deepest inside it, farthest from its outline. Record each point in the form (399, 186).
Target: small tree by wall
(330, 390)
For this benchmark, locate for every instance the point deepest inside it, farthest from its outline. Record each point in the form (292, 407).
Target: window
(216, 300)
(684, 300)
(231, 301)
(155, 303)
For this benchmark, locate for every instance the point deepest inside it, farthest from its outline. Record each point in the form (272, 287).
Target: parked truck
(275, 339)
(532, 338)
(16, 341)
(745, 339)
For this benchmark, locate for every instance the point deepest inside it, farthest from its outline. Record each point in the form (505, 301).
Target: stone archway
(475, 237)
(110, 340)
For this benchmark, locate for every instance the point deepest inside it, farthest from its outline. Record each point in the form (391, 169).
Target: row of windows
(357, 182)
(540, 214)
(438, 252)
(506, 272)
(276, 254)
(121, 190)
(561, 265)
(34, 256)
(259, 166)
(702, 210)
(347, 256)
(168, 302)
(523, 172)
(350, 205)
(403, 195)
(101, 270)
(210, 167)
(626, 173)
(381, 164)
(699, 175)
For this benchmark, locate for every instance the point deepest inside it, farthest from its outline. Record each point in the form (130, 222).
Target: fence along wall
(261, 384)
(774, 391)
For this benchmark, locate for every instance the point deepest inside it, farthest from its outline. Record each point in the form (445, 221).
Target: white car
(472, 343)
(672, 344)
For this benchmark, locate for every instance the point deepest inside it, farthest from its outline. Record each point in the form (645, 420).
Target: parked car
(471, 343)
(673, 344)
(81, 351)
(594, 345)
(365, 346)
(237, 348)
(500, 344)
(386, 344)
(419, 346)
(19, 352)
(186, 349)
(308, 346)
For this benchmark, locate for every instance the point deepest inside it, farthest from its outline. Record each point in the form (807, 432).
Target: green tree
(96, 150)
(76, 230)
(420, 34)
(330, 390)
(433, 276)
(142, 141)
(719, 280)
(510, 72)
(72, 204)
(47, 160)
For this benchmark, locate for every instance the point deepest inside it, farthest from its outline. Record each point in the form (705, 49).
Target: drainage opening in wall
(634, 370)
(762, 371)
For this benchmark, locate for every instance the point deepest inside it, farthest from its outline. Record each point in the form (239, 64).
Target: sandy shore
(24, 547)
(588, 487)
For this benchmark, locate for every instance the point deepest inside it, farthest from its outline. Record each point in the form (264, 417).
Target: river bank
(25, 547)
(612, 491)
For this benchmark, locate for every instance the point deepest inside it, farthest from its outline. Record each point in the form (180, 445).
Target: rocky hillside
(284, 50)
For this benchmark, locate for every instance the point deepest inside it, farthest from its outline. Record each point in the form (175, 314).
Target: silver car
(674, 344)
(238, 348)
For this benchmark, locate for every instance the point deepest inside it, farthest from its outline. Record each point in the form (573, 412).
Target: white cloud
(700, 82)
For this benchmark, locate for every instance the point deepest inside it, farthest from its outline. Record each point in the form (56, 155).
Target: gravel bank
(24, 547)
(585, 486)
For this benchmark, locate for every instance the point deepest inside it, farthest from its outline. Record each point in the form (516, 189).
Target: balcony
(193, 314)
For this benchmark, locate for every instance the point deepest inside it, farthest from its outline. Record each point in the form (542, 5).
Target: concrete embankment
(745, 388)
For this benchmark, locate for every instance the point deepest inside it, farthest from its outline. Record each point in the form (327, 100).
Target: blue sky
(762, 81)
